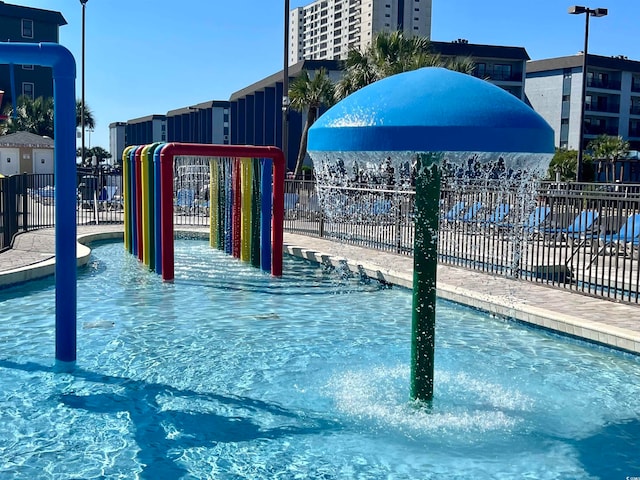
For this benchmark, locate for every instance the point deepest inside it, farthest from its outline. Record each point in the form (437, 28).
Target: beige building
(25, 152)
(328, 29)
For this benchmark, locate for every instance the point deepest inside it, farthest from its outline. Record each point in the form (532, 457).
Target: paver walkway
(602, 321)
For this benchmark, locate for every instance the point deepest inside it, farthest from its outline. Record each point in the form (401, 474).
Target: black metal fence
(580, 237)
(27, 202)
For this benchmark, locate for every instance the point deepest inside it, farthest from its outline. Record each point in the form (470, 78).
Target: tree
(100, 153)
(611, 149)
(310, 94)
(36, 116)
(388, 54)
(565, 163)
(31, 115)
(89, 121)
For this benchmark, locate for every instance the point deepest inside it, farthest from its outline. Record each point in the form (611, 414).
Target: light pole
(589, 12)
(82, 152)
(285, 87)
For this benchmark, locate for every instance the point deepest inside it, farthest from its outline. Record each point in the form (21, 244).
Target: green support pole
(425, 261)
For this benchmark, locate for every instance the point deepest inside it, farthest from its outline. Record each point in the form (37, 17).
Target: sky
(146, 57)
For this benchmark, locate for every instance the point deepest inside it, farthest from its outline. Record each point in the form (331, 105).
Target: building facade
(256, 111)
(145, 130)
(328, 29)
(30, 25)
(117, 141)
(612, 102)
(207, 122)
(24, 152)
(501, 65)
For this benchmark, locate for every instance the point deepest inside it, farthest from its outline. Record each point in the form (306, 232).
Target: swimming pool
(229, 373)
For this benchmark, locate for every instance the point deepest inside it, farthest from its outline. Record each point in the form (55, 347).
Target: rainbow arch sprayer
(246, 202)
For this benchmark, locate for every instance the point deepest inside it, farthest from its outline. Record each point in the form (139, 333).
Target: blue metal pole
(266, 194)
(63, 68)
(157, 210)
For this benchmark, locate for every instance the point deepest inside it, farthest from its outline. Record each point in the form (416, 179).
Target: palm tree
(611, 148)
(310, 94)
(31, 115)
(89, 121)
(388, 54)
(36, 116)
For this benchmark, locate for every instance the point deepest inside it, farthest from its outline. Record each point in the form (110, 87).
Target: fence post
(10, 207)
(25, 206)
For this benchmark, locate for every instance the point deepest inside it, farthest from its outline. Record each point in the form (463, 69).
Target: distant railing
(28, 201)
(580, 237)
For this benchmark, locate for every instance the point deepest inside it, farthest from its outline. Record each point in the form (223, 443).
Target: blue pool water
(231, 374)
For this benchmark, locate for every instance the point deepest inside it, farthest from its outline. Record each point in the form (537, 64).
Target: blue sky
(151, 56)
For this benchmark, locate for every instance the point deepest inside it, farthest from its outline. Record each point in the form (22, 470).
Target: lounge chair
(579, 229)
(454, 212)
(471, 213)
(626, 240)
(185, 200)
(536, 220)
(499, 215)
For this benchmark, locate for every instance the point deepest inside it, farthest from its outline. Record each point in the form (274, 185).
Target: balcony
(600, 130)
(603, 84)
(602, 108)
(498, 76)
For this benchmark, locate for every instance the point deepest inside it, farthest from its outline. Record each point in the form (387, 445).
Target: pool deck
(596, 320)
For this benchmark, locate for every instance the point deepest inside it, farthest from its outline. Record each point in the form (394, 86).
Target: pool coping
(497, 305)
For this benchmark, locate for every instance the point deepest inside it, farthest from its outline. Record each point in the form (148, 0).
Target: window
(502, 72)
(27, 28)
(27, 89)
(27, 67)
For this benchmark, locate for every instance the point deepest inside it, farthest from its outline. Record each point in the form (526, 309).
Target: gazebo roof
(25, 139)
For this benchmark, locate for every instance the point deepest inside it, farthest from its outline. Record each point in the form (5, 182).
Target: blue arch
(63, 68)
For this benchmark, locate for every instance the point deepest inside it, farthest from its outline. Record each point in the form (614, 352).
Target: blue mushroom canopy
(431, 110)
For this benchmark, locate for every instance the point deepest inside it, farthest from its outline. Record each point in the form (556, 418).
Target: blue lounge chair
(580, 227)
(471, 213)
(499, 215)
(185, 200)
(627, 238)
(536, 219)
(454, 212)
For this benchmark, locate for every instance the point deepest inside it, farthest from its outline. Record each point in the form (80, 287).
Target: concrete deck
(600, 321)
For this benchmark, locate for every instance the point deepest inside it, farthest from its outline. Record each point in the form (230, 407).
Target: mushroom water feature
(421, 123)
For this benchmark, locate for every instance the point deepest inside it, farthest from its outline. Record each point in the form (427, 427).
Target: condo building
(27, 25)
(612, 100)
(328, 29)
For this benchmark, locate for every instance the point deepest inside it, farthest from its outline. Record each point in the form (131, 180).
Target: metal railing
(580, 237)
(27, 202)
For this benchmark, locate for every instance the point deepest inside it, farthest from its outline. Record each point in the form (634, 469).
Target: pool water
(231, 374)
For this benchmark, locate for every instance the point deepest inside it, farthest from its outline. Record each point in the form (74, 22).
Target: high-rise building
(328, 29)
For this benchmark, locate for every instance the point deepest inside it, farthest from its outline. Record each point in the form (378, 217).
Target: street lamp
(589, 12)
(82, 152)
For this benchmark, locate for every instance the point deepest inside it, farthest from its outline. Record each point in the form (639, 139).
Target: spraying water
(412, 130)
